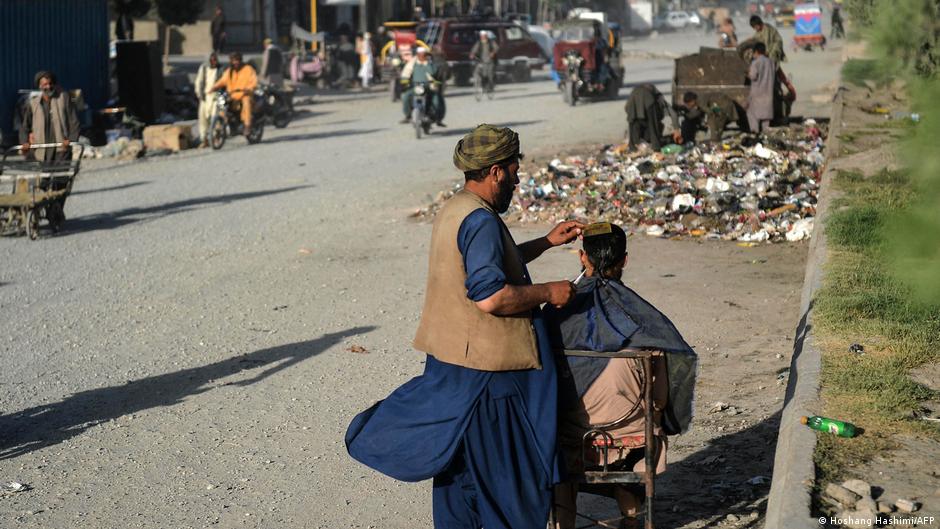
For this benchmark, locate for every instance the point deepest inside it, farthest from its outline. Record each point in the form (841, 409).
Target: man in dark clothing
(646, 109)
(838, 31)
(217, 29)
(124, 27)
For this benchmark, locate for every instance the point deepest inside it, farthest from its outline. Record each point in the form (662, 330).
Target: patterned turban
(485, 146)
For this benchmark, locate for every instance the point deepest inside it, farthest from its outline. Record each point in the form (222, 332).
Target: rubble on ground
(745, 188)
(854, 502)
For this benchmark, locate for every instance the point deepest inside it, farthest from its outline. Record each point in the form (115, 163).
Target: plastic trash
(825, 424)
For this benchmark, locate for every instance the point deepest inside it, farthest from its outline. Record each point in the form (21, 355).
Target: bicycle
(482, 83)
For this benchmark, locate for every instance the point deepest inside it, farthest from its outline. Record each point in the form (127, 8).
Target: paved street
(179, 356)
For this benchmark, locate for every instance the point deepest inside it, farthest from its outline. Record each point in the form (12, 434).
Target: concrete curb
(788, 504)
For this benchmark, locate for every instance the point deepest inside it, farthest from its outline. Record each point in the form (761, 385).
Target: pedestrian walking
(124, 27)
(206, 77)
(51, 118)
(838, 31)
(482, 419)
(217, 30)
(727, 38)
(760, 98)
(366, 60)
(272, 65)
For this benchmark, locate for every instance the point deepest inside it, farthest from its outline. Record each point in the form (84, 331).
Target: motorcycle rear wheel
(478, 86)
(571, 90)
(282, 119)
(257, 131)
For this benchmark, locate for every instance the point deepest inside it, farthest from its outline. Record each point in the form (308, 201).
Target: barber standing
(481, 421)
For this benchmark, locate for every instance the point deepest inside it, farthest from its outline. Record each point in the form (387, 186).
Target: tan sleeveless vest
(452, 328)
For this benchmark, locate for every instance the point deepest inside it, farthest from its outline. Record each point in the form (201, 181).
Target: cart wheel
(32, 224)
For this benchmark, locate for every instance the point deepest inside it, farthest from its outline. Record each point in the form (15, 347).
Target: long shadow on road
(108, 221)
(462, 131)
(112, 188)
(321, 135)
(50, 424)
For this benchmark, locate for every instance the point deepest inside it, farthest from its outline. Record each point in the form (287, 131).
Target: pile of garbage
(749, 189)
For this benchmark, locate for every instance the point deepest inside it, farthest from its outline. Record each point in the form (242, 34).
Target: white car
(694, 19)
(676, 20)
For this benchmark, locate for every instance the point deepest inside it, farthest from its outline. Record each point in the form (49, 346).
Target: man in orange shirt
(240, 80)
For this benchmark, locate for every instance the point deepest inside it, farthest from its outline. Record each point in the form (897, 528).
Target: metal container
(68, 37)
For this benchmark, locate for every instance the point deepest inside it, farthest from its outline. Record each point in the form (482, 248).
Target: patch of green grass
(861, 301)
(848, 137)
(857, 71)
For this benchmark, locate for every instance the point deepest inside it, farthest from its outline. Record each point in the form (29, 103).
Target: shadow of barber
(50, 424)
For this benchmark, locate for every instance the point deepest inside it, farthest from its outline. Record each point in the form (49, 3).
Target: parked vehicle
(677, 20)
(587, 58)
(808, 27)
(784, 16)
(713, 70)
(694, 19)
(518, 53)
(278, 108)
(226, 121)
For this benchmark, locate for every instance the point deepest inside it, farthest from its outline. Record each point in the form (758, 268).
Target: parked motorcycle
(278, 105)
(226, 120)
(423, 112)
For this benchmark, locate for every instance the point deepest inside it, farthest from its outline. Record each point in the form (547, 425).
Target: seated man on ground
(606, 393)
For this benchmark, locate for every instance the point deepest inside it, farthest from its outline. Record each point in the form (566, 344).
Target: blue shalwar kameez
(487, 438)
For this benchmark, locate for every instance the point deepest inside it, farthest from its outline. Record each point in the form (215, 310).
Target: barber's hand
(560, 293)
(677, 136)
(565, 232)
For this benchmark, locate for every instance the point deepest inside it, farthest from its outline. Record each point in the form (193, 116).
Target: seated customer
(606, 393)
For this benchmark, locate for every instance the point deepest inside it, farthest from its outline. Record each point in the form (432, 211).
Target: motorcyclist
(240, 80)
(485, 50)
(420, 69)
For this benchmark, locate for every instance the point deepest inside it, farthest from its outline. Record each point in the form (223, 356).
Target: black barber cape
(606, 316)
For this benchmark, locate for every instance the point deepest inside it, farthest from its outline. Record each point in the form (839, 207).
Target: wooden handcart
(33, 192)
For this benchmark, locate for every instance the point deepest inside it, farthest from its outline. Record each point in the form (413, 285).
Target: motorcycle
(226, 119)
(423, 112)
(278, 105)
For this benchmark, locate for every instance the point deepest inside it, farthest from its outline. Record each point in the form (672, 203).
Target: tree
(133, 8)
(176, 13)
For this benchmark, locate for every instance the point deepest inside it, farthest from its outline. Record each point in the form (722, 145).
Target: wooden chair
(599, 439)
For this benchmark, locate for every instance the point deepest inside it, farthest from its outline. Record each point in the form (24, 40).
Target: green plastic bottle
(825, 424)
(672, 148)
